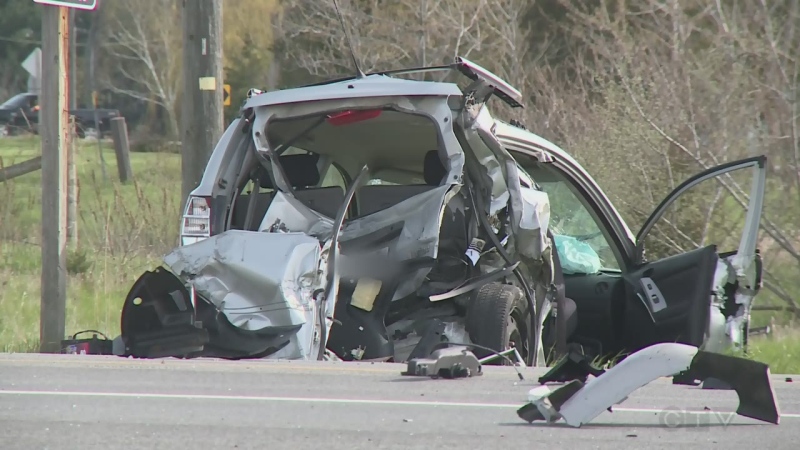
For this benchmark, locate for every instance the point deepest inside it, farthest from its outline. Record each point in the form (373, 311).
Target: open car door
(670, 300)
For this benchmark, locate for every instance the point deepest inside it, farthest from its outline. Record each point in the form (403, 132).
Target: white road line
(351, 401)
(261, 398)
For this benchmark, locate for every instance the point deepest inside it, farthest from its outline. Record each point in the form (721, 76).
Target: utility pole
(53, 123)
(55, 135)
(72, 178)
(73, 57)
(202, 116)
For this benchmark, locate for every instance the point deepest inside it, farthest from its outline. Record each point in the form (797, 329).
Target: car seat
(303, 175)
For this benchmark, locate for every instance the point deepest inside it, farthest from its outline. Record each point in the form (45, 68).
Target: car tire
(497, 315)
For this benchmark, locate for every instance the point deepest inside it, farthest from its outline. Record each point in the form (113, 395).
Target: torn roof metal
(370, 86)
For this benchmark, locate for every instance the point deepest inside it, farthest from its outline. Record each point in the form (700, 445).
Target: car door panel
(686, 281)
(747, 243)
(598, 298)
(669, 300)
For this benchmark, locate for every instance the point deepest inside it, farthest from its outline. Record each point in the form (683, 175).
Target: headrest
(300, 169)
(433, 169)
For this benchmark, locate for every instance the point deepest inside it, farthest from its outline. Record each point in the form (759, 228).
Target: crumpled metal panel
(287, 211)
(418, 238)
(727, 273)
(420, 215)
(257, 280)
(530, 208)
(534, 220)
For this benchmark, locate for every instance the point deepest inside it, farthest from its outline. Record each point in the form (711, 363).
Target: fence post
(119, 132)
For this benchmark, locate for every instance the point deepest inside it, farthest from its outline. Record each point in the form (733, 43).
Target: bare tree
(659, 90)
(145, 43)
(404, 33)
(645, 92)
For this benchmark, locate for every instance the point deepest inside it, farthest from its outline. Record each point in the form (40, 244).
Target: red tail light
(196, 222)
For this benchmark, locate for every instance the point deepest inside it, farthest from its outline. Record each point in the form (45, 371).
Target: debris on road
(574, 366)
(448, 363)
(578, 403)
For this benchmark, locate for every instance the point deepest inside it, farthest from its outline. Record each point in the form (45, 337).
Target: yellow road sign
(226, 94)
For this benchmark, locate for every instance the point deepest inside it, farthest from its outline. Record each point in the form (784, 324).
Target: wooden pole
(119, 132)
(72, 184)
(202, 114)
(73, 56)
(53, 120)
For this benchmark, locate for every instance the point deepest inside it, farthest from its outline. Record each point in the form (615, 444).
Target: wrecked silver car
(361, 216)
(374, 217)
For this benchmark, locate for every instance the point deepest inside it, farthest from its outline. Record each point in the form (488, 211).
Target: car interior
(303, 173)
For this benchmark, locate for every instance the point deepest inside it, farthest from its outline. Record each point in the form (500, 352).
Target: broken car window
(581, 243)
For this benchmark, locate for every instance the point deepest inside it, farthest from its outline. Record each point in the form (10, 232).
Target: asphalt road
(93, 402)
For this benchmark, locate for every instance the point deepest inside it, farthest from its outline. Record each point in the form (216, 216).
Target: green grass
(123, 229)
(781, 351)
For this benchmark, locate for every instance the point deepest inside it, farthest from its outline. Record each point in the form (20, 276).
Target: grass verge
(123, 229)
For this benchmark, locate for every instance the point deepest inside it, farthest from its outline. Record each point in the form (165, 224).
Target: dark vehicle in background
(21, 112)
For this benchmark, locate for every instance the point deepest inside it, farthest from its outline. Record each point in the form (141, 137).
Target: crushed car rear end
(309, 258)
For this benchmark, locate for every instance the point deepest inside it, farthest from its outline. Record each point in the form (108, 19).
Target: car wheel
(498, 318)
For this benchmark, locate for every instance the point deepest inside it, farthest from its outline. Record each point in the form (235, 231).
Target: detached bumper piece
(159, 321)
(579, 402)
(450, 363)
(158, 318)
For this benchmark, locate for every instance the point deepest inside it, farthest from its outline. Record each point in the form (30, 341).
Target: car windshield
(14, 102)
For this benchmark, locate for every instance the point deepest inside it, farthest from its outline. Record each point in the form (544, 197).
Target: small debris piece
(446, 363)
(575, 366)
(631, 435)
(408, 420)
(788, 379)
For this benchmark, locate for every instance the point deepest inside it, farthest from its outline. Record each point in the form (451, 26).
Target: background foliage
(644, 93)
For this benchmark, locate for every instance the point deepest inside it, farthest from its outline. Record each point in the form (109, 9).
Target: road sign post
(226, 94)
(55, 136)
